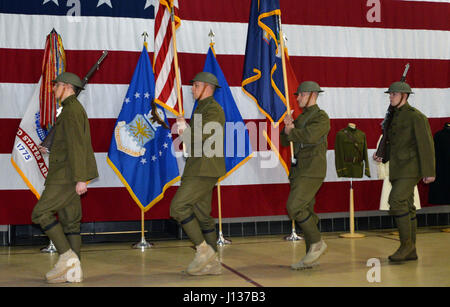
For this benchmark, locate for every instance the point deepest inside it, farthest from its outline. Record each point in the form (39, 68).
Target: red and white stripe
(329, 41)
(164, 53)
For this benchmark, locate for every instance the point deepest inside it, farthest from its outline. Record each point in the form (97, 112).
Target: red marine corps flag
(41, 113)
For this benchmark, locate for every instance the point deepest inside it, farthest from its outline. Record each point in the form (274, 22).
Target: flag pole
(221, 240)
(175, 57)
(49, 249)
(352, 233)
(286, 88)
(177, 72)
(143, 244)
(293, 236)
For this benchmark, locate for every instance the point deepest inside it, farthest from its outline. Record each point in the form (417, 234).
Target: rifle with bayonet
(386, 123)
(48, 140)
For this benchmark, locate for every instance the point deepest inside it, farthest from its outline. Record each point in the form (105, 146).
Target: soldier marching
(191, 205)
(71, 165)
(309, 133)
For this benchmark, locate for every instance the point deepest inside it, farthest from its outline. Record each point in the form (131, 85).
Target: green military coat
(410, 145)
(350, 150)
(310, 143)
(202, 161)
(71, 157)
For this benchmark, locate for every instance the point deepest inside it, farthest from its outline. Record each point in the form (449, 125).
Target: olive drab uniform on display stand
(71, 160)
(351, 161)
(350, 149)
(306, 176)
(191, 205)
(410, 152)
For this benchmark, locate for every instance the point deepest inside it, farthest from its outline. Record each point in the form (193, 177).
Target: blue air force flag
(141, 151)
(237, 148)
(262, 78)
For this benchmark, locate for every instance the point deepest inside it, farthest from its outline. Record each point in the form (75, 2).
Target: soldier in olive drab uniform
(71, 165)
(410, 152)
(191, 205)
(309, 134)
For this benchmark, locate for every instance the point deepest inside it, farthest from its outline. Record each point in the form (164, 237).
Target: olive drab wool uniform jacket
(71, 157)
(351, 159)
(204, 146)
(410, 145)
(310, 143)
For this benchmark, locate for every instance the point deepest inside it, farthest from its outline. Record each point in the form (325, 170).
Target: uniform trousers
(401, 197)
(300, 206)
(191, 207)
(61, 200)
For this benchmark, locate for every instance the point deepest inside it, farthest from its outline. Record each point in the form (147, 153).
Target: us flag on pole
(164, 62)
(354, 49)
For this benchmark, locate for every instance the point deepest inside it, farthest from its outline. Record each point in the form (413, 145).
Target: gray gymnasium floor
(247, 262)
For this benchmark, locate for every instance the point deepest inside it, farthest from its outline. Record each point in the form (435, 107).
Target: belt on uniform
(305, 145)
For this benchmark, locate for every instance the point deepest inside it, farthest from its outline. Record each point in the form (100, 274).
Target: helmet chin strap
(309, 98)
(201, 93)
(401, 100)
(404, 97)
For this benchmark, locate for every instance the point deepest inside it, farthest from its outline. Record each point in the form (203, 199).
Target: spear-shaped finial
(145, 35)
(211, 35)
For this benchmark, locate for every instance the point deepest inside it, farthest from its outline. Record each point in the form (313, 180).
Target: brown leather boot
(413, 254)
(406, 244)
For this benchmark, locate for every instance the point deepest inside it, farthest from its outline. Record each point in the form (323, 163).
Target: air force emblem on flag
(132, 137)
(141, 146)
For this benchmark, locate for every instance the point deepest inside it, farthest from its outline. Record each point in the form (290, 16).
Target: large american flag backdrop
(353, 48)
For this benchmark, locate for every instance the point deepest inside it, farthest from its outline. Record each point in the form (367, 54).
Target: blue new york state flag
(237, 146)
(262, 78)
(141, 151)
